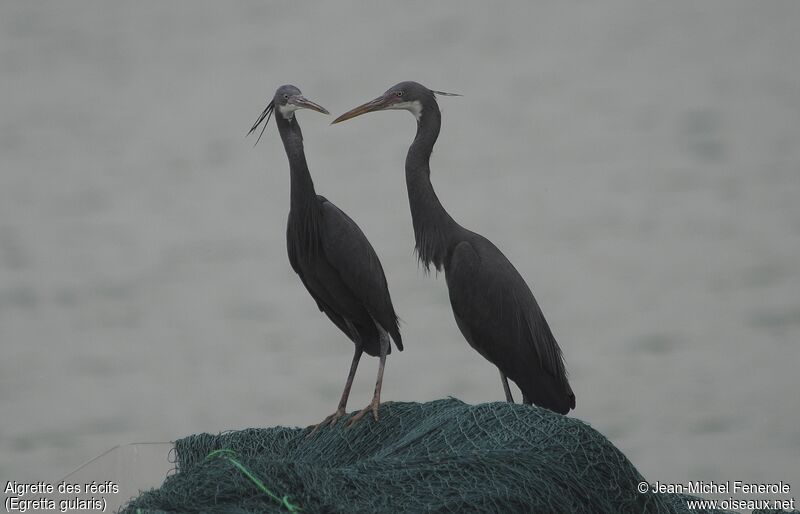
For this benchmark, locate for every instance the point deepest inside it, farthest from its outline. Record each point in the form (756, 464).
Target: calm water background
(639, 163)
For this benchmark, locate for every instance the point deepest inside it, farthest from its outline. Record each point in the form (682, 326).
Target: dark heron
(493, 306)
(334, 259)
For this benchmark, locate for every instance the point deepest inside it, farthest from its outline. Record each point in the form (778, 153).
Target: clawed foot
(329, 421)
(373, 407)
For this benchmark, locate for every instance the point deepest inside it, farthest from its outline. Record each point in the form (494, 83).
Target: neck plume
(434, 229)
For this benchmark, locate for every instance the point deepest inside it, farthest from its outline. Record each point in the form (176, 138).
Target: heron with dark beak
(493, 306)
(334, 259)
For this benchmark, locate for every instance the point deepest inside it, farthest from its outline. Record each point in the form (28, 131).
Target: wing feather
(349, 252)
(495, 300)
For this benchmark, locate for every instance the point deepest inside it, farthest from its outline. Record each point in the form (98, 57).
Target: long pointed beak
(304, 103)
(378, 104)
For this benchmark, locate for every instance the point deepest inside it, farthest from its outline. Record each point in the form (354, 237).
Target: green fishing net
(441, 456)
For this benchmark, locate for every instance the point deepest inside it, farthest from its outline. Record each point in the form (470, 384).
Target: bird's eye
(285, 96)
(399, 93)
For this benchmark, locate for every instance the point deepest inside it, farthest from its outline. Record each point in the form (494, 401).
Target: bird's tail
(394, 331)
(545, 391)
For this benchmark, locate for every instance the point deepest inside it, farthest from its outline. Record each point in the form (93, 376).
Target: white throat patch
(413, 107)
(287, 111)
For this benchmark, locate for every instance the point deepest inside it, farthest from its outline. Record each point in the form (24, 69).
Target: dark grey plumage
(330, 253)
(493, 306)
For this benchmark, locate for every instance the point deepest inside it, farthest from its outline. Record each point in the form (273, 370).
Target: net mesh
(441, 456)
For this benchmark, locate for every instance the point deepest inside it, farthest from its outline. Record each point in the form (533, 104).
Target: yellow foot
(329, 421)
(372, 407)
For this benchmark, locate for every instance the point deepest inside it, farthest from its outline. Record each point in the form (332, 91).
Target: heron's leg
(350, 376)
(340, 411)
(506, 389)
(376, 398)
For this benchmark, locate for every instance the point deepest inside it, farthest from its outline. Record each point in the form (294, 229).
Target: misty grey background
(639, 163)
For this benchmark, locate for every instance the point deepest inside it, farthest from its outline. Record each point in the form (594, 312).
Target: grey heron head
(410, 96)
(286, 101)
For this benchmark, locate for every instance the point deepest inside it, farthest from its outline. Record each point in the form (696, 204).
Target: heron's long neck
(304, 214)
(434, 229)
(302, 187)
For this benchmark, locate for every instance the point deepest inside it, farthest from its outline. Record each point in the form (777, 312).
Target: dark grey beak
(380, 103)
(304, 103)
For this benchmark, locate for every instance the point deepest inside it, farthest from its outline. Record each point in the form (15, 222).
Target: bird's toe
(329, 421)
(363, 412)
